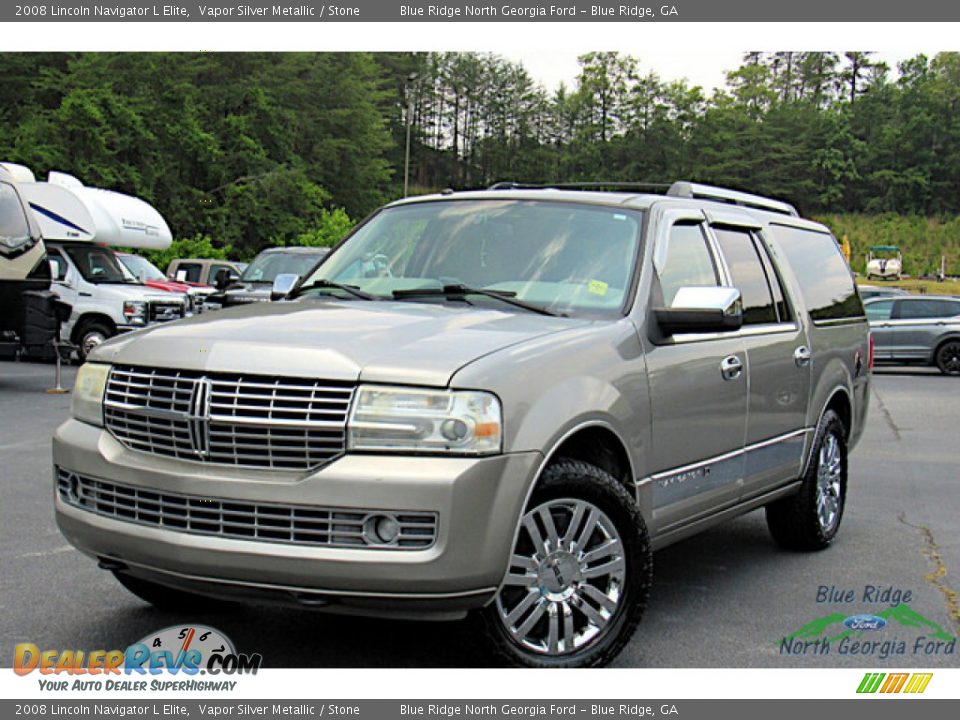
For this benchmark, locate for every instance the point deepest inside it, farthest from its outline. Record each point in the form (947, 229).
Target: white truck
(79, 225)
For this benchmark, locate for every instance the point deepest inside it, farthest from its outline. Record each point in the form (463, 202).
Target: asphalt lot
(723, 599)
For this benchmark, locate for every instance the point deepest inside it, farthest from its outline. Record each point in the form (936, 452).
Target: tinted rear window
(825, 278)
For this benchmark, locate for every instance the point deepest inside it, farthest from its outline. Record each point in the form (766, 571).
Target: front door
(698, 392)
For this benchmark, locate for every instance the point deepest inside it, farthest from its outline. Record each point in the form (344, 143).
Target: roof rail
(685, 189)
(589, 185)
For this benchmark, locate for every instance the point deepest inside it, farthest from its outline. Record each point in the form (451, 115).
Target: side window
(188, 271)
(922, 309)
(879, 310)
(776, 284)
(214, 269)
(689, 263)
(747, 272)
(826, 282)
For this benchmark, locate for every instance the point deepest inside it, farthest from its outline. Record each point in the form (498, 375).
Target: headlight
(458, 422)
(135, 312)
(87, 403)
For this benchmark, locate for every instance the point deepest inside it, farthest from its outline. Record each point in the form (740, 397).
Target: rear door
(698, 397)
(879, 314)
(778, 357)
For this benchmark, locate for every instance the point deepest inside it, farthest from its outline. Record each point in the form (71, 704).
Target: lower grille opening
(227, 518)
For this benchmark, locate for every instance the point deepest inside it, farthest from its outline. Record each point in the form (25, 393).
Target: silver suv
(921, 328)
(498, 401)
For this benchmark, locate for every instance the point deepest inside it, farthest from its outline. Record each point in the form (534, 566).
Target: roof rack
(685, 189)
(591, 185)
(680, 188)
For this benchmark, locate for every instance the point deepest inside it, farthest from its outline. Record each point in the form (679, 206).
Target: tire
(810, 519)
(167, 598)
(90, 335)
(574, 620)
(948, 357)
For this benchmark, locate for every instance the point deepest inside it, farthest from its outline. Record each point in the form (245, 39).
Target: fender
(808, 451)
(558, 440)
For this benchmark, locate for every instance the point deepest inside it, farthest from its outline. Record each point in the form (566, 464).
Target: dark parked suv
(922, 328)
(496, 401)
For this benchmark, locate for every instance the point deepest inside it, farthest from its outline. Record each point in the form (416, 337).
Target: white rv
(79, 224)
(27, 322)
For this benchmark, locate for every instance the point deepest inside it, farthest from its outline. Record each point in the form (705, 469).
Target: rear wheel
(579, 575)
(948, 357)
(810, 519)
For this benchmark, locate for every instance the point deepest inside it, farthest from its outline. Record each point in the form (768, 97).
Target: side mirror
(282, 285)
(142, 277)
(701, 310)
(222, 280)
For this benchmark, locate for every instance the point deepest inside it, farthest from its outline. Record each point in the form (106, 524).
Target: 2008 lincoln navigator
(498, 401)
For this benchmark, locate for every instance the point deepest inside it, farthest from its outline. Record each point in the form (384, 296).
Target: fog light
(381, 529)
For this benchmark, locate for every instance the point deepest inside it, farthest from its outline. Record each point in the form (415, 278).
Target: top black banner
(463, 11)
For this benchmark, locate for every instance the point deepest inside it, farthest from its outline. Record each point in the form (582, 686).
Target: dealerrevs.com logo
(184, 650)
(892, 683)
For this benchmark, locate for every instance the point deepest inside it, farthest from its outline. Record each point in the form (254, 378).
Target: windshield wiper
(459, 291)
(330, 285)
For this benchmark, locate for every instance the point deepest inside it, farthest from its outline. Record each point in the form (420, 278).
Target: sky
(707, 69)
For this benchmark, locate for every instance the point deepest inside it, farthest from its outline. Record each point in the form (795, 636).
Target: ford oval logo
(865, 622)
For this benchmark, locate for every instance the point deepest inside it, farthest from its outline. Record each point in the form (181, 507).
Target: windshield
(141, 267)
(266, 266)
(99, 264)
(563, 257)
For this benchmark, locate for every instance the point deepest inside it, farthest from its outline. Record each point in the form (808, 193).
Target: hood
(168, 286)
(132, 291)
(393, 342)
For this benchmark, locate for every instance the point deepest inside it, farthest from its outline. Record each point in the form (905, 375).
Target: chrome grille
(240, 520)
(228, 419)
(164, 312)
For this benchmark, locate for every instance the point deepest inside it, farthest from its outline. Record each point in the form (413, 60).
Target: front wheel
(579, 575)
(948, 357)
(90, 337)
(810, 519)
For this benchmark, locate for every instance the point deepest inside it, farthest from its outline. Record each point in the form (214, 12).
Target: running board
(692, 528)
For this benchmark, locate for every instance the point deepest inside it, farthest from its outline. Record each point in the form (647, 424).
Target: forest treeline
(252, 149)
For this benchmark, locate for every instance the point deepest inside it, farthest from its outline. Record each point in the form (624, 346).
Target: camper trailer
(28, 313)
(80, 225)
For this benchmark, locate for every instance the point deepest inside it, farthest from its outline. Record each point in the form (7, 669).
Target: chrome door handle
(801, 356)
(731, 367)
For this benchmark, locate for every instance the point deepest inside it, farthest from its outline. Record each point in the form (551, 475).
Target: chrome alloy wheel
(829, 487)
(566, 578)
(92, 340)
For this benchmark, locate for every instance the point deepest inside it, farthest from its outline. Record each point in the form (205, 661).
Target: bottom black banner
(876, 709)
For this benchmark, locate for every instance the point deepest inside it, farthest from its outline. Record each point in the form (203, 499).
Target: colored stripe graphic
(918, 683)
(870, 682)
(57, 218)
(893, 683)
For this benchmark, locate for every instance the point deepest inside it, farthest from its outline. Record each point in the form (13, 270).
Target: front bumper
(478, 502)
